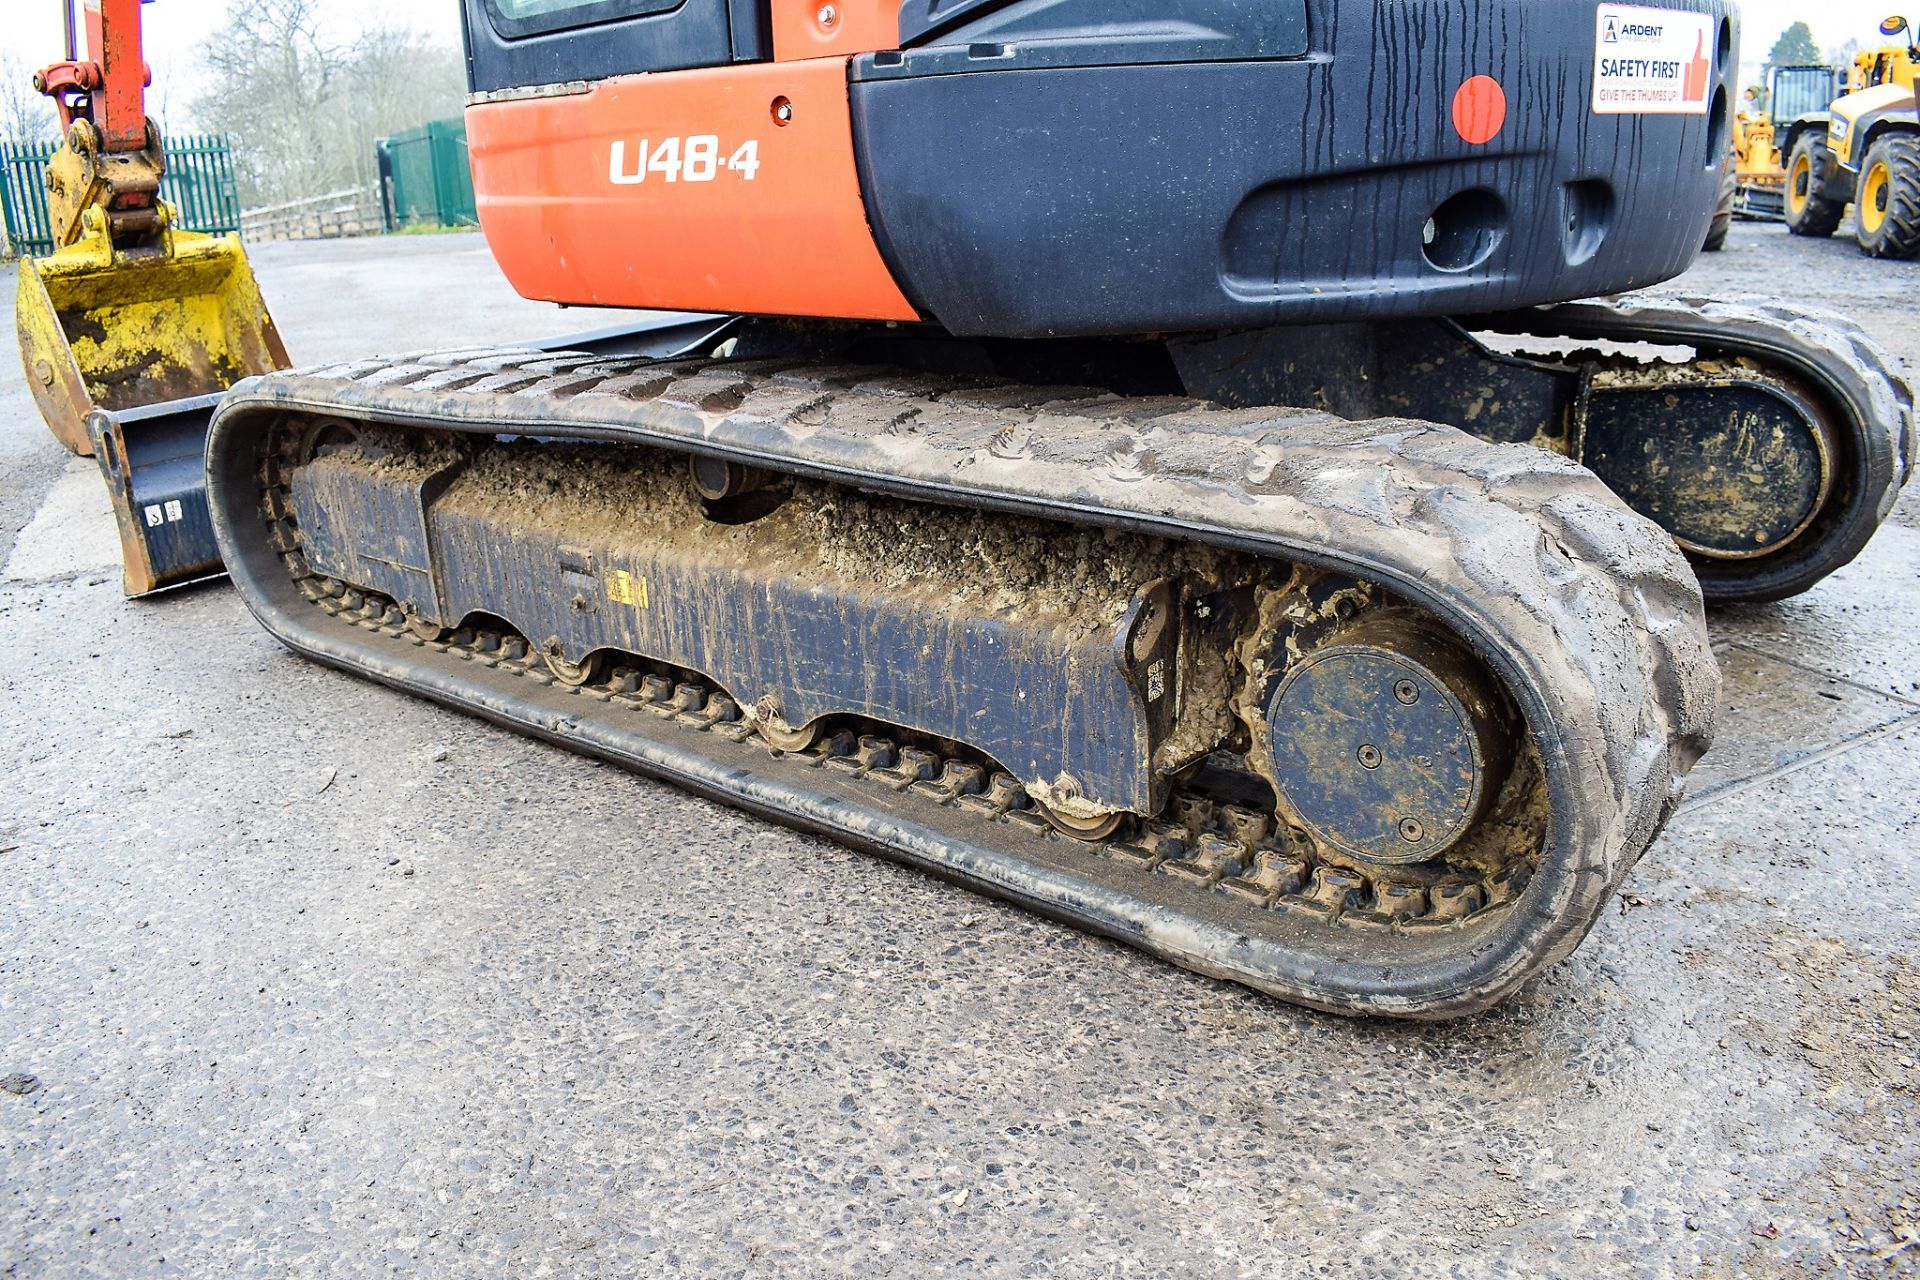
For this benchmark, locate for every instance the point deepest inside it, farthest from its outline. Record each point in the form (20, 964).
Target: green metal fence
(425, 178)
(198, 181)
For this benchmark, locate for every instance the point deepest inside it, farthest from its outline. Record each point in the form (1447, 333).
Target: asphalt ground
(299, 977)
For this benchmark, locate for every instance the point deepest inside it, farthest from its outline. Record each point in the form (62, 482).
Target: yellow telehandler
(1793, 97)
(1864, 150)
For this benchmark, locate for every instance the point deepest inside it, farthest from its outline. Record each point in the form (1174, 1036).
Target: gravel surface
(301, 977)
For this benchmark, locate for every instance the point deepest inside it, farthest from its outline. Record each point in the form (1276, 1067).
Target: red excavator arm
(112, 159)
(108, 87)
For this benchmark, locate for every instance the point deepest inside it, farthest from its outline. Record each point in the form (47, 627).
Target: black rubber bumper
(1016, 196)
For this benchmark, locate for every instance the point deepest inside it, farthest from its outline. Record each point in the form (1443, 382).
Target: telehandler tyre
(1888, 205)
(1808, 212)
(1723, 211)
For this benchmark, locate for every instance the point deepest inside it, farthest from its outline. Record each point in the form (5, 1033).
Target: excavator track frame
(1587, 616)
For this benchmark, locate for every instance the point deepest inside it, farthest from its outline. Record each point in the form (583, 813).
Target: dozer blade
(153, 458)
(126, 355)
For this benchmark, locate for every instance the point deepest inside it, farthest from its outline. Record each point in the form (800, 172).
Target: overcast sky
(33, 31)
(172, 29)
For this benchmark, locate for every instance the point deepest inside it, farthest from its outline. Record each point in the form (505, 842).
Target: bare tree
(304, 109)
(397, 79)
(25, 116)
(272, 74)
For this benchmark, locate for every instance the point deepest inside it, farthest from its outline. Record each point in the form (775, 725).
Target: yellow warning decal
(627, 588)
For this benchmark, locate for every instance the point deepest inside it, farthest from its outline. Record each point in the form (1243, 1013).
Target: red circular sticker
(1479, 109)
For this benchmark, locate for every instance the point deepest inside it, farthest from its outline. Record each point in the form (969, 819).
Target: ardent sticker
(1652, 61)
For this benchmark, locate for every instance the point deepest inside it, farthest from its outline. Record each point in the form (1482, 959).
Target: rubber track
(1866, 387)
(1587, 610)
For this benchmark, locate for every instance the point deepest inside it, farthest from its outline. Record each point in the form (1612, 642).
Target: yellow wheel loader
(132, 327)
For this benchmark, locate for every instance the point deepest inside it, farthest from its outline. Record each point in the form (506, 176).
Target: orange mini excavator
(1115, 481)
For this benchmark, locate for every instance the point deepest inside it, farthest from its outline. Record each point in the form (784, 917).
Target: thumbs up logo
(1694, 87)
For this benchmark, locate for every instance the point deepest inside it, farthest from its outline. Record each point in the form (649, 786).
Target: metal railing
(426, 176)
(199, 183)
(352, 211)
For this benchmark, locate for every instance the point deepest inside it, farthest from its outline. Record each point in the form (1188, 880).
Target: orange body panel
(580, 205)
(857, 26)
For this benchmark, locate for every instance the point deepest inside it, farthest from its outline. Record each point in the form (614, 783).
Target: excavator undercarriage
(1369, 715)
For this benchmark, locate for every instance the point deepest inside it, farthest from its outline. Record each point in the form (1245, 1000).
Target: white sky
(33, 33)
(1834, 22)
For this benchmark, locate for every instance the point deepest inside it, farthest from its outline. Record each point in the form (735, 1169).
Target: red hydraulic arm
(108, 87)
(111, 160)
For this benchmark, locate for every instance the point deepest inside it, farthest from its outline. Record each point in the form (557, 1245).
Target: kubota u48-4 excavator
(1067, 506)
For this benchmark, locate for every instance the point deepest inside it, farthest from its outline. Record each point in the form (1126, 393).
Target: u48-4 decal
(690, 159)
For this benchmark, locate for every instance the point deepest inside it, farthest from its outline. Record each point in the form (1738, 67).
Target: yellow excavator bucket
(127, 354)
(128, 330)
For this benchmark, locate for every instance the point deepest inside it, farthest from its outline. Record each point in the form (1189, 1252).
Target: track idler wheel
(1092, 828)
(426, 628)
(1387, 741)
(1736, 468)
